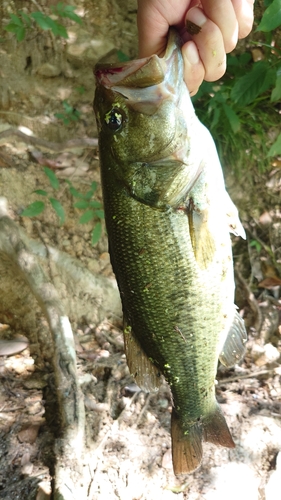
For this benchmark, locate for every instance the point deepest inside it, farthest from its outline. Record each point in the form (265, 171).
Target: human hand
(222, 22)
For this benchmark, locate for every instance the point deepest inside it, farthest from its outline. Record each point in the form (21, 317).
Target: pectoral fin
(203, 243)
(234, 346)
(233, 220)
(145, 373)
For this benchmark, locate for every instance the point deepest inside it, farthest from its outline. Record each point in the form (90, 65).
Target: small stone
(29, 434)
(269, 355)
(49, 70)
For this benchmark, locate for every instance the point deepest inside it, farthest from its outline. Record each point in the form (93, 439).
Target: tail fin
(187, 444)
(186, 447)
(215, 429)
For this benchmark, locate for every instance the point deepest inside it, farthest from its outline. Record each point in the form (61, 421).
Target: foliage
(92, 209)
(243, 106)
(21, 22)
(37, 207)
(69, 114)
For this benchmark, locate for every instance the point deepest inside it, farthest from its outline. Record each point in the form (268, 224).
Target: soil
(128, 453)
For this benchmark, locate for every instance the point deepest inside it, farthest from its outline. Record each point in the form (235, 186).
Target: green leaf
(63, 117)
(94, 204)
(276, 92)
(46, 23)
(68, 108)
(18, 30)
(20, 33)
(256, 245)
(89, 194)
(52, 178)
(94, 186)
(232, 61)
(43, 21)
(100, 214)
(244, 58)
(75, 193)
(122, 57)
(59, 30)
(217, 112)
(67, 11)
(276, 147)
(82, 204)
(271, 18)
(16, 20)
(41, 192)
(254, 83)
(80, 89)
(33, 209)
(87, 216)
(96, 233)
(57, 206)
(26, 19)
(232, 117)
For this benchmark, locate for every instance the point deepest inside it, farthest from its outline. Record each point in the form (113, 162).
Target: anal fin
(215, 429)
(145, 373)
(186, 446)
(234, 346)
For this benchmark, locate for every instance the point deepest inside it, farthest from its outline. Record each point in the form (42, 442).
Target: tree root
(46, 145)
(16, 248)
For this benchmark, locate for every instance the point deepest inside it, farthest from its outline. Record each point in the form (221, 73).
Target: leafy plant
(69, 114)
(243, 105)
(92, 209)
(21, 22)
(37, 207)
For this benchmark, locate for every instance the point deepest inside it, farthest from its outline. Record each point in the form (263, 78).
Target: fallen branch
(46, 145)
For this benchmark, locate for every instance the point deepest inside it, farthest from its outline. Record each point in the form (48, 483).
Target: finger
(222, 13)
(154, 19)
(244, 10)
(152, 32)
(194, 70)
(210, 45)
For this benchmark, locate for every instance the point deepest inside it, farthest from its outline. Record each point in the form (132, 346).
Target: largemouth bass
(168, 219)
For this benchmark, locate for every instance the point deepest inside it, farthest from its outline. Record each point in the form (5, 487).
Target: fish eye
(114, 119)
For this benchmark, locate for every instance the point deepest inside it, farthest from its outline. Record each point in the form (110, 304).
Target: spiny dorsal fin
(145, 373)
(234, 346)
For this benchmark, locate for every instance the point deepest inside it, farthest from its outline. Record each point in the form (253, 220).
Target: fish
(168, 218)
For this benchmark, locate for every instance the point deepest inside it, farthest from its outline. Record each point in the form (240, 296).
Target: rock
(83, 49)
(49, 70)
(269, 355)
(29, 434)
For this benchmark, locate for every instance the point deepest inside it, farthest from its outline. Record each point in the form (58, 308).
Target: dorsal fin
(234, 346)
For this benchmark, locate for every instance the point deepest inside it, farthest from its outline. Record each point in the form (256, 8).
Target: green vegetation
(21, 22)
(91, 208)
(244, 105)
(69, 114)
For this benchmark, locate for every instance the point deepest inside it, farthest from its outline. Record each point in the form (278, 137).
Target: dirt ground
(128, 454)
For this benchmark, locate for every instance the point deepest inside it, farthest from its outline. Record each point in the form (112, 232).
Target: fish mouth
(147, 80)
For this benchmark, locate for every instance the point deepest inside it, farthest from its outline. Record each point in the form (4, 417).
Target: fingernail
(191, 53)
(196, 16)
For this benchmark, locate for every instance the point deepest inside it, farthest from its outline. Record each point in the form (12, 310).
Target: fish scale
(168, 219)
(151, 285)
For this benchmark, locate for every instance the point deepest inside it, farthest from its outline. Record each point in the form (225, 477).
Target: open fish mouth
(148, 80)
